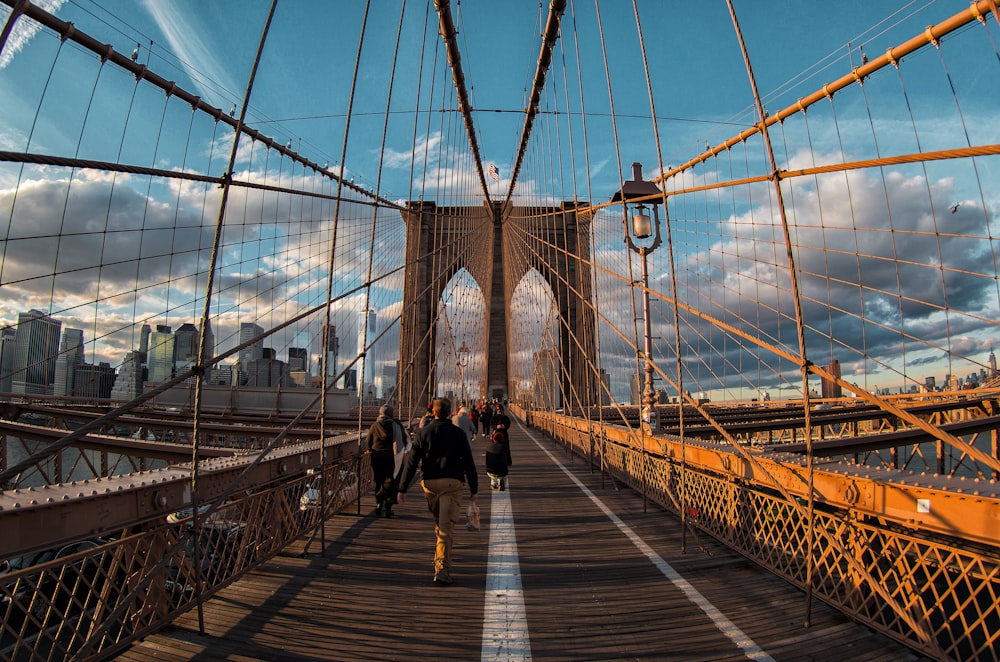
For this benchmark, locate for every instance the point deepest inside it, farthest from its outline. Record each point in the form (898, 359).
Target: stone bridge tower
(430, 265)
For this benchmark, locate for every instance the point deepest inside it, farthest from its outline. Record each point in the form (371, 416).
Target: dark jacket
(441, 450)
(380, 438)
(498, 458)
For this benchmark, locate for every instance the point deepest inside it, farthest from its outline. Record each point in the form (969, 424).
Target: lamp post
(643, 227)
(463, 360)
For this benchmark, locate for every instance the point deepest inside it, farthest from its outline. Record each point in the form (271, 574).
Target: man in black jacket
(443, 455)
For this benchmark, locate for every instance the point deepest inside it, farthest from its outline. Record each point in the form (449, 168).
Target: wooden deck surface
(593, 588)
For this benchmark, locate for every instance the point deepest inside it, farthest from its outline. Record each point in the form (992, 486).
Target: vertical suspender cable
(796, 299)
(371, 241)
(209, 285)
(673, 283)
(330, 267)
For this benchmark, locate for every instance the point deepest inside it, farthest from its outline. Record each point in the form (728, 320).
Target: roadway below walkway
(566, 567)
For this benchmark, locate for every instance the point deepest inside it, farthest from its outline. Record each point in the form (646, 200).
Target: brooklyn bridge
(729, 266)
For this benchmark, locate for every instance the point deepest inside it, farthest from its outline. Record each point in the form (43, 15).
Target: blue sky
(302, 91)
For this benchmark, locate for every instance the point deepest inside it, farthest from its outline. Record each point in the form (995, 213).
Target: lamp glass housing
(641, 225)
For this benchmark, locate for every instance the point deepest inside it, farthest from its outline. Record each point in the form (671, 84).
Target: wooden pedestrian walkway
(573, 569)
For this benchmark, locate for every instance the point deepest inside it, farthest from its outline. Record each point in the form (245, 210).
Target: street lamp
(463, 360)
(643, 227)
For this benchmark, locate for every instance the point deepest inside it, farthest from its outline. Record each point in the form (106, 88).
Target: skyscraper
(144, 343)
(186, 344)
(365, 340)
(128, 383)
(830, 388)
(94, 381)
(209, 340)
(389, 373)
(7, 337)
(70, 358)
(161, 354)
(332, 350)
(298, 359)
(36, 347)
(250, 353)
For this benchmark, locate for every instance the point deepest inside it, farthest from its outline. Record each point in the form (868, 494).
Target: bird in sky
(954, 207)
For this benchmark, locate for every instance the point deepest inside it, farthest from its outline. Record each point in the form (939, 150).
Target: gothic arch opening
(460, 352)
(534, 344)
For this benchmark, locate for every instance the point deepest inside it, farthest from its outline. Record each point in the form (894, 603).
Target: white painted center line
(505, 624)
(727, 627)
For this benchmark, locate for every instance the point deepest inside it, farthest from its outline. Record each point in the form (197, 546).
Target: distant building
(298, 367)
(7, 338)
(331, 345)
(635, 386)
(364, 340)
(267, 371)
(223, 375)
(604, 397)
(298, 359)
(128, 382)
(70, 358)
(144, 343)
(832, 389)
(389, 376)
(254, 351)
(186, 340)
(160, 358)
(36, 348)
(351, 380)
(94, 381)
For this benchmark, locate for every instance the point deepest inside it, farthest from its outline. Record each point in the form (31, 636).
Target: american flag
(494, 173)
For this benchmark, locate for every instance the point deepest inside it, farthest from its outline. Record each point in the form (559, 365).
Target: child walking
(498, 459)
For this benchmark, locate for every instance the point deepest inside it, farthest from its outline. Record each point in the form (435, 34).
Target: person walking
(464, 423)
(474, 417)
(498, 460)
(386, 437)
(486, 418)
(442, 452)
(500, 418)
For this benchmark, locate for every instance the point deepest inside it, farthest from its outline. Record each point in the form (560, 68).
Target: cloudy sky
(104, 251)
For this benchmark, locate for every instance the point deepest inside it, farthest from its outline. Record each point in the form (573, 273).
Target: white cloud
(23, 30)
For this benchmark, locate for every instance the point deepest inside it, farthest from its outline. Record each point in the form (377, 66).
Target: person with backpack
(498, 460)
